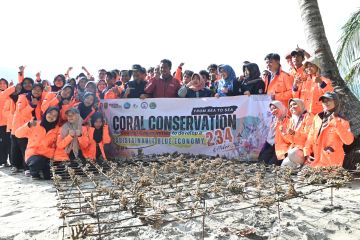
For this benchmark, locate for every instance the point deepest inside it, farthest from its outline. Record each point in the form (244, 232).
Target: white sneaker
(27, 173)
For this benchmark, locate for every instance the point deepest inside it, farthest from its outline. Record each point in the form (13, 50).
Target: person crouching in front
(329, 132)
(72, 138)
(41, 145)
(98, 137)
(297, 133)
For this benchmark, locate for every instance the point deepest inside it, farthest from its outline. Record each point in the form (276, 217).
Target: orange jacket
(4, 96)
(87, 119)
(111, 95)
(178, 74)
(281, 143)
(281, 86)
(298, 71)
(40, 142)
(23, 112)
(51, 101)
(62, 143)
(301, 131)
(310, 92)
(8, 111)
(334, 135)
(90, 151)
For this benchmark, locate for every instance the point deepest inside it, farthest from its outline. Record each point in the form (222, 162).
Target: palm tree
(348, 56)
(318, 43)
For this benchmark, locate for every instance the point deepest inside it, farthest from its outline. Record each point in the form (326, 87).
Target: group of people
(40, 121)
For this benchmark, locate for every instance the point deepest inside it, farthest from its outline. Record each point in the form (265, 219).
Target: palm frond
(349, 42)
(353, 79)
(354, 73)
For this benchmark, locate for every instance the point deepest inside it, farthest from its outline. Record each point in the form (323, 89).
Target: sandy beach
(28, 211)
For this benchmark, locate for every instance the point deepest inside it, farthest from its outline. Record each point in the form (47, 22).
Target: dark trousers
(268, 155)
(4, 145)
(18, 147)
(37, 164)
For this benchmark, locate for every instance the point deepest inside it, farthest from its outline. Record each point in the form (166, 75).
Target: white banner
(228, 126)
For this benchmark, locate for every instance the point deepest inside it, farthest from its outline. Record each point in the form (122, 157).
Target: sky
(50, 36)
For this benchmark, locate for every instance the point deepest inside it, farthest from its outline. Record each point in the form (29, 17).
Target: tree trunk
(318, 43)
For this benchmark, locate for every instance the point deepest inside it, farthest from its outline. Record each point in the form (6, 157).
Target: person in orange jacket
(41, 145)
(276, 146)
(86, 107)
(279, 85)
(99, 136)
(329, 132)
(297, 133)
(28, 106)
(62, 99)
(72, 139)
(5, 92)
(18, 145)
(112, 91)
(313, 87)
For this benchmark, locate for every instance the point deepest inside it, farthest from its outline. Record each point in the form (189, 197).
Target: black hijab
(69, 98)
(98, 133)
(47, 125)
(15, 96)
(54, 88)
(84, 110)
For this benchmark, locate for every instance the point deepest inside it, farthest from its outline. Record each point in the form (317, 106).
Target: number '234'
(219, 136)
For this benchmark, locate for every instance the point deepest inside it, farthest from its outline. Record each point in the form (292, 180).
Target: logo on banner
(115, 105)
(135, 106)
(127, 105)
(152, 105)
(144, 105)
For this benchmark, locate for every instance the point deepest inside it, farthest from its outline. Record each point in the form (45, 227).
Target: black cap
(297, 53)
(136, 67)
(329, 95)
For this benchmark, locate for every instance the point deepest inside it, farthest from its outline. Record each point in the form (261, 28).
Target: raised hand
(22, 68)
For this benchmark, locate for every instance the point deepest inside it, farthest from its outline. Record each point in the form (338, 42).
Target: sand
(28, 211)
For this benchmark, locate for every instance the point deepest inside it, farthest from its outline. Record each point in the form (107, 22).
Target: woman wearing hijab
(28, 106)
(99, 136)
(276, 146)
(195, 88)
(86, 107)
(227, 85)
(328, 133)
(297, 133)
(73, 138)
(42, 137)
(72, 82)
(101, 86)
(80, 89)
(18, 145)
(91, 87)
(59, 83)
(62, 99)
(251, 83)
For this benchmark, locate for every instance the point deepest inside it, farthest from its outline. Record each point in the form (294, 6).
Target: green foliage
(348, 54)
